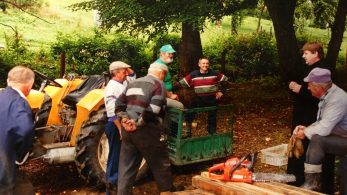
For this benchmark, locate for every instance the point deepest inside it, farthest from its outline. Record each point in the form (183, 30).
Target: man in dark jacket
(16, 131)
(305, 108)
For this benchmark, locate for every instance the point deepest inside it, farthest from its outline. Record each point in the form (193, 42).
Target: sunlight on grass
(37, 33)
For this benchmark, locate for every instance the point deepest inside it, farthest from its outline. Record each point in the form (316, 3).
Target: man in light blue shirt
(329, 133)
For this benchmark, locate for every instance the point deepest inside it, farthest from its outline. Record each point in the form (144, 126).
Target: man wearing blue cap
(166, 57)
(328, 135)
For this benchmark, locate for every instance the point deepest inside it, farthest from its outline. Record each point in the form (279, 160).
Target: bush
(92, 55)
(244, 56)
(17, 53)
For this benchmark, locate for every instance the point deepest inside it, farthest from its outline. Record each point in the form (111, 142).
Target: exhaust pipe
(60, 155)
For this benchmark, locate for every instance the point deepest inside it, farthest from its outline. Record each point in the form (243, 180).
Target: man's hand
(219, 95)
(130, 71)
(119, 127)
(128, 124)
(294, 86)
(172, 95)
(299, 132)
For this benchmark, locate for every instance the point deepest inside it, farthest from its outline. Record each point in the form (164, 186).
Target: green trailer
(200, 146)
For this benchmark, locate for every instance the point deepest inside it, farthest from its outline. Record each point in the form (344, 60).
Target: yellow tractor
(70, 120)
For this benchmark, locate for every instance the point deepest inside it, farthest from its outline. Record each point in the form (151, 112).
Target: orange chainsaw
(241, 170)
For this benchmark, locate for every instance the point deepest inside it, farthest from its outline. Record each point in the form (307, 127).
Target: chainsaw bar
(273, 177)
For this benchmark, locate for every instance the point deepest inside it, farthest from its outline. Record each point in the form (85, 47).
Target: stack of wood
(207, 186)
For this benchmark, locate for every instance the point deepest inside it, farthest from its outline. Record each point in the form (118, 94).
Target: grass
(39, 34)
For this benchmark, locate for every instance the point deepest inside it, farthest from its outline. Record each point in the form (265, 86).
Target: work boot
(312, 181)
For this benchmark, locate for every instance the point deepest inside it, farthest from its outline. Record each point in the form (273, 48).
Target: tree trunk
(337, 31)
(190, 49)
(260, 16)
(282, 14)
(189, 53)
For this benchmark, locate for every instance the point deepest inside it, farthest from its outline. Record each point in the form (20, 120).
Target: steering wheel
(45, 78)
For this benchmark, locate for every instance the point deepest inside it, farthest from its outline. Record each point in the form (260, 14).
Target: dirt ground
(262, 119)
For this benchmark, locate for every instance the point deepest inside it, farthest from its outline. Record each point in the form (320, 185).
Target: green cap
(167, 48)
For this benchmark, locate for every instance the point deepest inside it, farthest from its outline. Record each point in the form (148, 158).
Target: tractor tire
(92, 149)
(41, 116)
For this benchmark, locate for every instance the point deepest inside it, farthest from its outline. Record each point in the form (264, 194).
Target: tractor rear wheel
(92, 149)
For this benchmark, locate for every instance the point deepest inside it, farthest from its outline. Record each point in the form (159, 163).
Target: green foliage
(87, 55)
(153, 17)
(320, 12)
(17, 53)
(246, 57)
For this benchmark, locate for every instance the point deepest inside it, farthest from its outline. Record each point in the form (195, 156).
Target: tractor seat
(92, 82)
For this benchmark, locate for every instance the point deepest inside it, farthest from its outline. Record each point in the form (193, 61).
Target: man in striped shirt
(205, 83)
(141, 108)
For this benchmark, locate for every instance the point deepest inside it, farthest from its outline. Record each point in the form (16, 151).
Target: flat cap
(318, 75)
(118, 65)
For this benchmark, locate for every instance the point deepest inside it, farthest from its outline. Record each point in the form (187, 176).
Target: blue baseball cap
(167, 48)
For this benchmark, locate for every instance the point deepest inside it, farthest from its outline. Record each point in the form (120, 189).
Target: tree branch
(17, 6)
(8, 26)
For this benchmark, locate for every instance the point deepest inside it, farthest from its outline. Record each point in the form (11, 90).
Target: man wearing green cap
(166, 57)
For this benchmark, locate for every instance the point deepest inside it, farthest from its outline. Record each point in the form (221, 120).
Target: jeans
(114, 144)
(144, 142)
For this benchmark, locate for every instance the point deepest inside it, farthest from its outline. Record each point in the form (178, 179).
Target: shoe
(312, 181)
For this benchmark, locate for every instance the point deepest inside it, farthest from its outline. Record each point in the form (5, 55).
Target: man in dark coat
(16, 131)
(305, 108)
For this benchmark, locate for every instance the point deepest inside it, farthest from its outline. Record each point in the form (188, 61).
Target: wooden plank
(222, 188)
(272, 188)
(286, 189)
(187, 192)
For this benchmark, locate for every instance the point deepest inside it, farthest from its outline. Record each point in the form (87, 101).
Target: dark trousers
(114, 144)
(342, 173)
(296, 166)
(144, 142)
(322, 147)
(204, 101)
(22, 186)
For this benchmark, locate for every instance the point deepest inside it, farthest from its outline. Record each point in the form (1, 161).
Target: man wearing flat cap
(166, 57)
(121, 74)
(328, 135)
(141, 108)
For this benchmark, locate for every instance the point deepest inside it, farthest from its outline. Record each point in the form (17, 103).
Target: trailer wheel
(92, 149)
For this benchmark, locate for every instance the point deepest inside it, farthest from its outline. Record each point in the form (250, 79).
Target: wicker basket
(276, 155)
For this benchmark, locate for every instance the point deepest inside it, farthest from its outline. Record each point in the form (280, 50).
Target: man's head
(319, 81)
(158, 70)
(119, 70)
(167, 53)
(204, 64)
(312, 52)
(22, 78)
